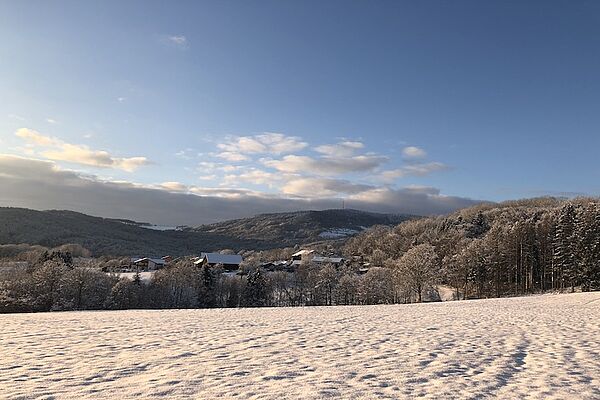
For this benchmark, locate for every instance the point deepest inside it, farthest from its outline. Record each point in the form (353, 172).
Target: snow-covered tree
(419, 268)
(564, 257)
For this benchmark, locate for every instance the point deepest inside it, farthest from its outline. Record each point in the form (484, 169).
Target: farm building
(230, 262)
(337, 261)
(149, 264)
(303, 255)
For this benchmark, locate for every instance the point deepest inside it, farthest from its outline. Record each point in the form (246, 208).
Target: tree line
(54, 284)
(493, 250)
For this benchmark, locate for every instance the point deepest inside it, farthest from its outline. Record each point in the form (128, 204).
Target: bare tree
(419, 267)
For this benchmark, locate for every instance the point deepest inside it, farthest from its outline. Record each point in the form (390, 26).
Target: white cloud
(267, 143)
(341, 149)
(278, 143)
(224, 192)
(174, 186)
(253, 176)
(232, 156)
(121, 99)
(179, 40)
(411, 200)
(413, 152)
(210, 167)
(413, 170)
(229, 168)
(325, 165)
(58, 150)
(36, 138)
(186, 154)
(312, 187)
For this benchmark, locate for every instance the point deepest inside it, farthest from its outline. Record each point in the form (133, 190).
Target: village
(233, 264)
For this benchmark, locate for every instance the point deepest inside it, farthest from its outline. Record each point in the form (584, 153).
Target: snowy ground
(145, 276)
(538, 347)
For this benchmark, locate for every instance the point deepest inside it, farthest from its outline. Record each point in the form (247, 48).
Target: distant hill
(104, 236)
(290, 228)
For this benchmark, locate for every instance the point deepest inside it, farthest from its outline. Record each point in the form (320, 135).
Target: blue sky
(306, 100)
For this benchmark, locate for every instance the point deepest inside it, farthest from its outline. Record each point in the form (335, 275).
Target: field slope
(536, 347)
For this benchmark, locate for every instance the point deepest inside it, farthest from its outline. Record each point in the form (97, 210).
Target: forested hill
(302, 226)
(105, 236)
(492, 250)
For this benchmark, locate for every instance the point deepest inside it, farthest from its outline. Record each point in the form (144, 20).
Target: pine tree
(587, 244)
(137, 279)
(594, 268)
(206, 289)
(564, 257)
(255, 292)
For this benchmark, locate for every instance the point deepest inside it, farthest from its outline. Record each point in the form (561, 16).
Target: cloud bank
(41, 184)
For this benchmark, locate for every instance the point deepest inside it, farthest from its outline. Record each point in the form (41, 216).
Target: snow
(535, 347)
(338, 233)
(145, 276)
(160, 227)
(446, 293)
(151, 226)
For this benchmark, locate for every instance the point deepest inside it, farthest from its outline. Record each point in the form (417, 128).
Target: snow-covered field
(537, 347)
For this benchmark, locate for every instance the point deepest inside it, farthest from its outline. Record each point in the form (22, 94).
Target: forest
(491, 250)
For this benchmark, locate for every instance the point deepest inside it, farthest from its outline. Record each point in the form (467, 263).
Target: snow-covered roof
(217, 258)
(154, 260)
(302, 253)
(333, 260)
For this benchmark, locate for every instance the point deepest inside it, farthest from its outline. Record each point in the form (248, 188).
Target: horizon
(227, 220)
(141, 222)
(200, 112)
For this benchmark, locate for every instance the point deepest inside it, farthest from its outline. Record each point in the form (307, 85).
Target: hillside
(301, 226)
(122, 237)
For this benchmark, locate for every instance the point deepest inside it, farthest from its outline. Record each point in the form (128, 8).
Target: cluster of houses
(302, 257)
(232, 262)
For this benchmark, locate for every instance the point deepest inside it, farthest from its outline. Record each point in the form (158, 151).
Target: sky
(193, 112)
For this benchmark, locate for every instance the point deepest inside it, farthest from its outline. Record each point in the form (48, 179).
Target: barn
(230, 262)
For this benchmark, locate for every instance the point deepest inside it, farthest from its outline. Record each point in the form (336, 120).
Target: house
(337, 261)
(274, 265)
(267, 265)
(230, 262)
(302, 255)
(149, 264)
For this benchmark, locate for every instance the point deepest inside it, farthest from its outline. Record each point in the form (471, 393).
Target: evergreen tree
(564, 257)
(593, 271)
(206, 287)
(587, 245)
(255, 292)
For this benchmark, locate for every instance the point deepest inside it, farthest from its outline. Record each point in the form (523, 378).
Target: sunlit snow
(537, 347)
